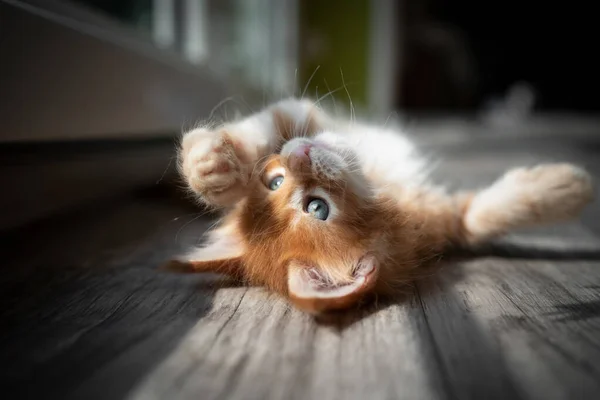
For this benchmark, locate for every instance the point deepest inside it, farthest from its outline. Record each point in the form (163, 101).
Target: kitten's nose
(299, 158)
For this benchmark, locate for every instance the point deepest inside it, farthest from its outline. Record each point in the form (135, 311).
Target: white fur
(221, 244)
(385, 155)
(529, 196)
(388, 156)
(376, 160)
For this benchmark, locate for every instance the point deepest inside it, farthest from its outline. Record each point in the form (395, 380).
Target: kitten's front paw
(553, 191)
(211, 165)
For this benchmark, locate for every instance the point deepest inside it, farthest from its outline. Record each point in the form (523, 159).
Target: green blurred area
(336, 41)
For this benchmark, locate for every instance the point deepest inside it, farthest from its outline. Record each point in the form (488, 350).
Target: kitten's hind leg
(526, 197)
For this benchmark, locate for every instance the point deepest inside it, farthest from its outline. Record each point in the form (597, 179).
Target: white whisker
(309, 80)
(352, 113)
(335, 110)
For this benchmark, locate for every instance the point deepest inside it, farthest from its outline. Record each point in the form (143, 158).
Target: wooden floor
(85, 314)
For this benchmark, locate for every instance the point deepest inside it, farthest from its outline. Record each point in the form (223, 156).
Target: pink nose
(299, 158)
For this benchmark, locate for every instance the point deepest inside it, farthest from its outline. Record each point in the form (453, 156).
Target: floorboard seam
(436, 350)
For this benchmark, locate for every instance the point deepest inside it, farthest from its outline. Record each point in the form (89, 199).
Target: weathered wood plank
(489, 317)
(70, 310)
(269, 351)
(158, 339)
(492, 321)
(85, 314)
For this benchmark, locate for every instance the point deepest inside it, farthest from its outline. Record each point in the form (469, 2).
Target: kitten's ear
(314, 291)
(222, 254)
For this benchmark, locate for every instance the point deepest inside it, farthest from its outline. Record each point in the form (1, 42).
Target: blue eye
(318, 208)
(276, 182)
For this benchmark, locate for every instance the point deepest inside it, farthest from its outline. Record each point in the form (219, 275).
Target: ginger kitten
(326, 212)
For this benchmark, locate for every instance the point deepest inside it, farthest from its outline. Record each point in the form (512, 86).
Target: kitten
(326, 212)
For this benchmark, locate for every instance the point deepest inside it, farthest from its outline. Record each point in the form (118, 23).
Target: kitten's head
(309, 229)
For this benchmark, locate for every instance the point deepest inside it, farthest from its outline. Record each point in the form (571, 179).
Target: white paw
(552, 191)
(525, 197)
(212, 168)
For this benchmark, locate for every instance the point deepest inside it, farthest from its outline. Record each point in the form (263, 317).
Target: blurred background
(83, 79)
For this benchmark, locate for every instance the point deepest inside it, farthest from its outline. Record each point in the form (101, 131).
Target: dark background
(549, 45)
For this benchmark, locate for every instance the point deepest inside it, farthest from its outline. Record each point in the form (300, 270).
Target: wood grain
(268, 351)
(86, 315)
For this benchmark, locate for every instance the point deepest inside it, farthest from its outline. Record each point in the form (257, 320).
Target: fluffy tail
(527, 197)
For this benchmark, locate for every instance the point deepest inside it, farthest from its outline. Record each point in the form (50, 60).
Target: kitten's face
(312, 217)
(309, 228)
